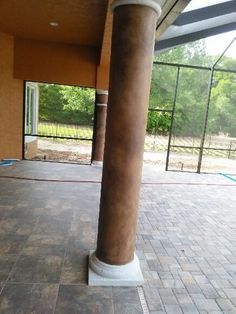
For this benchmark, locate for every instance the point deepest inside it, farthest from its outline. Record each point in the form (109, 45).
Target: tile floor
(186, 242)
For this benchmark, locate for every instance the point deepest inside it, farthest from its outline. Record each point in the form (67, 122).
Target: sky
(197, 4)
(215, 44)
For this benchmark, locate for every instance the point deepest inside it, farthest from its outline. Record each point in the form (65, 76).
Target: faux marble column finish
(130, 76)
(99, 127)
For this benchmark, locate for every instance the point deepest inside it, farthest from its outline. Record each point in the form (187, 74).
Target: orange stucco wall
(102, 78)
(11, 102)
(55, 62)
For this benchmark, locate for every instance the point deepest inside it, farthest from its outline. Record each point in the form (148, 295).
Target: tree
(78, 99)
(66, 104)
(158, 122)
(50, 102)
(223, 104)
(192, 92)
(192, 83)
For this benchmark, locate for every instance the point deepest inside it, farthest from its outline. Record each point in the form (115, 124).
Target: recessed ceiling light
(53, 24)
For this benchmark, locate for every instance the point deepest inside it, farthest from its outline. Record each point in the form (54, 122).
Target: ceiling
(79, 22)
(89, 22)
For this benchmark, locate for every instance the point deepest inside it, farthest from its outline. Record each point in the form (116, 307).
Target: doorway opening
(58, 123)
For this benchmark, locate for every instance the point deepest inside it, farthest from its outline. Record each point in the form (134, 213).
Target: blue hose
(228, 177)
(6, 163)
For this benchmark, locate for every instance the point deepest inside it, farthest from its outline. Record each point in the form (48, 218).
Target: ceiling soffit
(79, 22)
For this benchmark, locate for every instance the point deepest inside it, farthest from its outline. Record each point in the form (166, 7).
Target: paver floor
(186, 242)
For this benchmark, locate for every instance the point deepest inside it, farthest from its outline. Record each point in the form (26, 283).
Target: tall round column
(130, 76)
(100, 116)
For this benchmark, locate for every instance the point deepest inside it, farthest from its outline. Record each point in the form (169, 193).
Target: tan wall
(11, 102)
(102, 78)
(55, 63)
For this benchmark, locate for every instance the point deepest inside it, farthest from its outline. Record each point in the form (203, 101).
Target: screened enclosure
(192, 116)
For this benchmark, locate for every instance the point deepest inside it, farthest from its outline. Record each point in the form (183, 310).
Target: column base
(97, 163)
(102, 274)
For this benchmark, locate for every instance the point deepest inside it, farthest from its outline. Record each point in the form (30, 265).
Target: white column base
(102, 274)
(97, 163)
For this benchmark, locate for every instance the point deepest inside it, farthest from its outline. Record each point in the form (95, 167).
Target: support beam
(114, 262)
(99, 129)
(196, 35)
(205, 13)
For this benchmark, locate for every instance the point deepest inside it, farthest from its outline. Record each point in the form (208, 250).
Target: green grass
(65, 130)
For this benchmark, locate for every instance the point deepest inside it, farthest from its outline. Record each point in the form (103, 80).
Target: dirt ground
(80, 152)
(64, 151)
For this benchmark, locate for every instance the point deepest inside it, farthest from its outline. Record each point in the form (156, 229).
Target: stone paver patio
(186, 242)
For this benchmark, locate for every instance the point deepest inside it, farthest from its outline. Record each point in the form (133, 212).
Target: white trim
(36, 109)
(103, 274)
(154, 4)
(33, 109)
(97, 163)
(112, 271)
(102, 105)
(102, 92)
